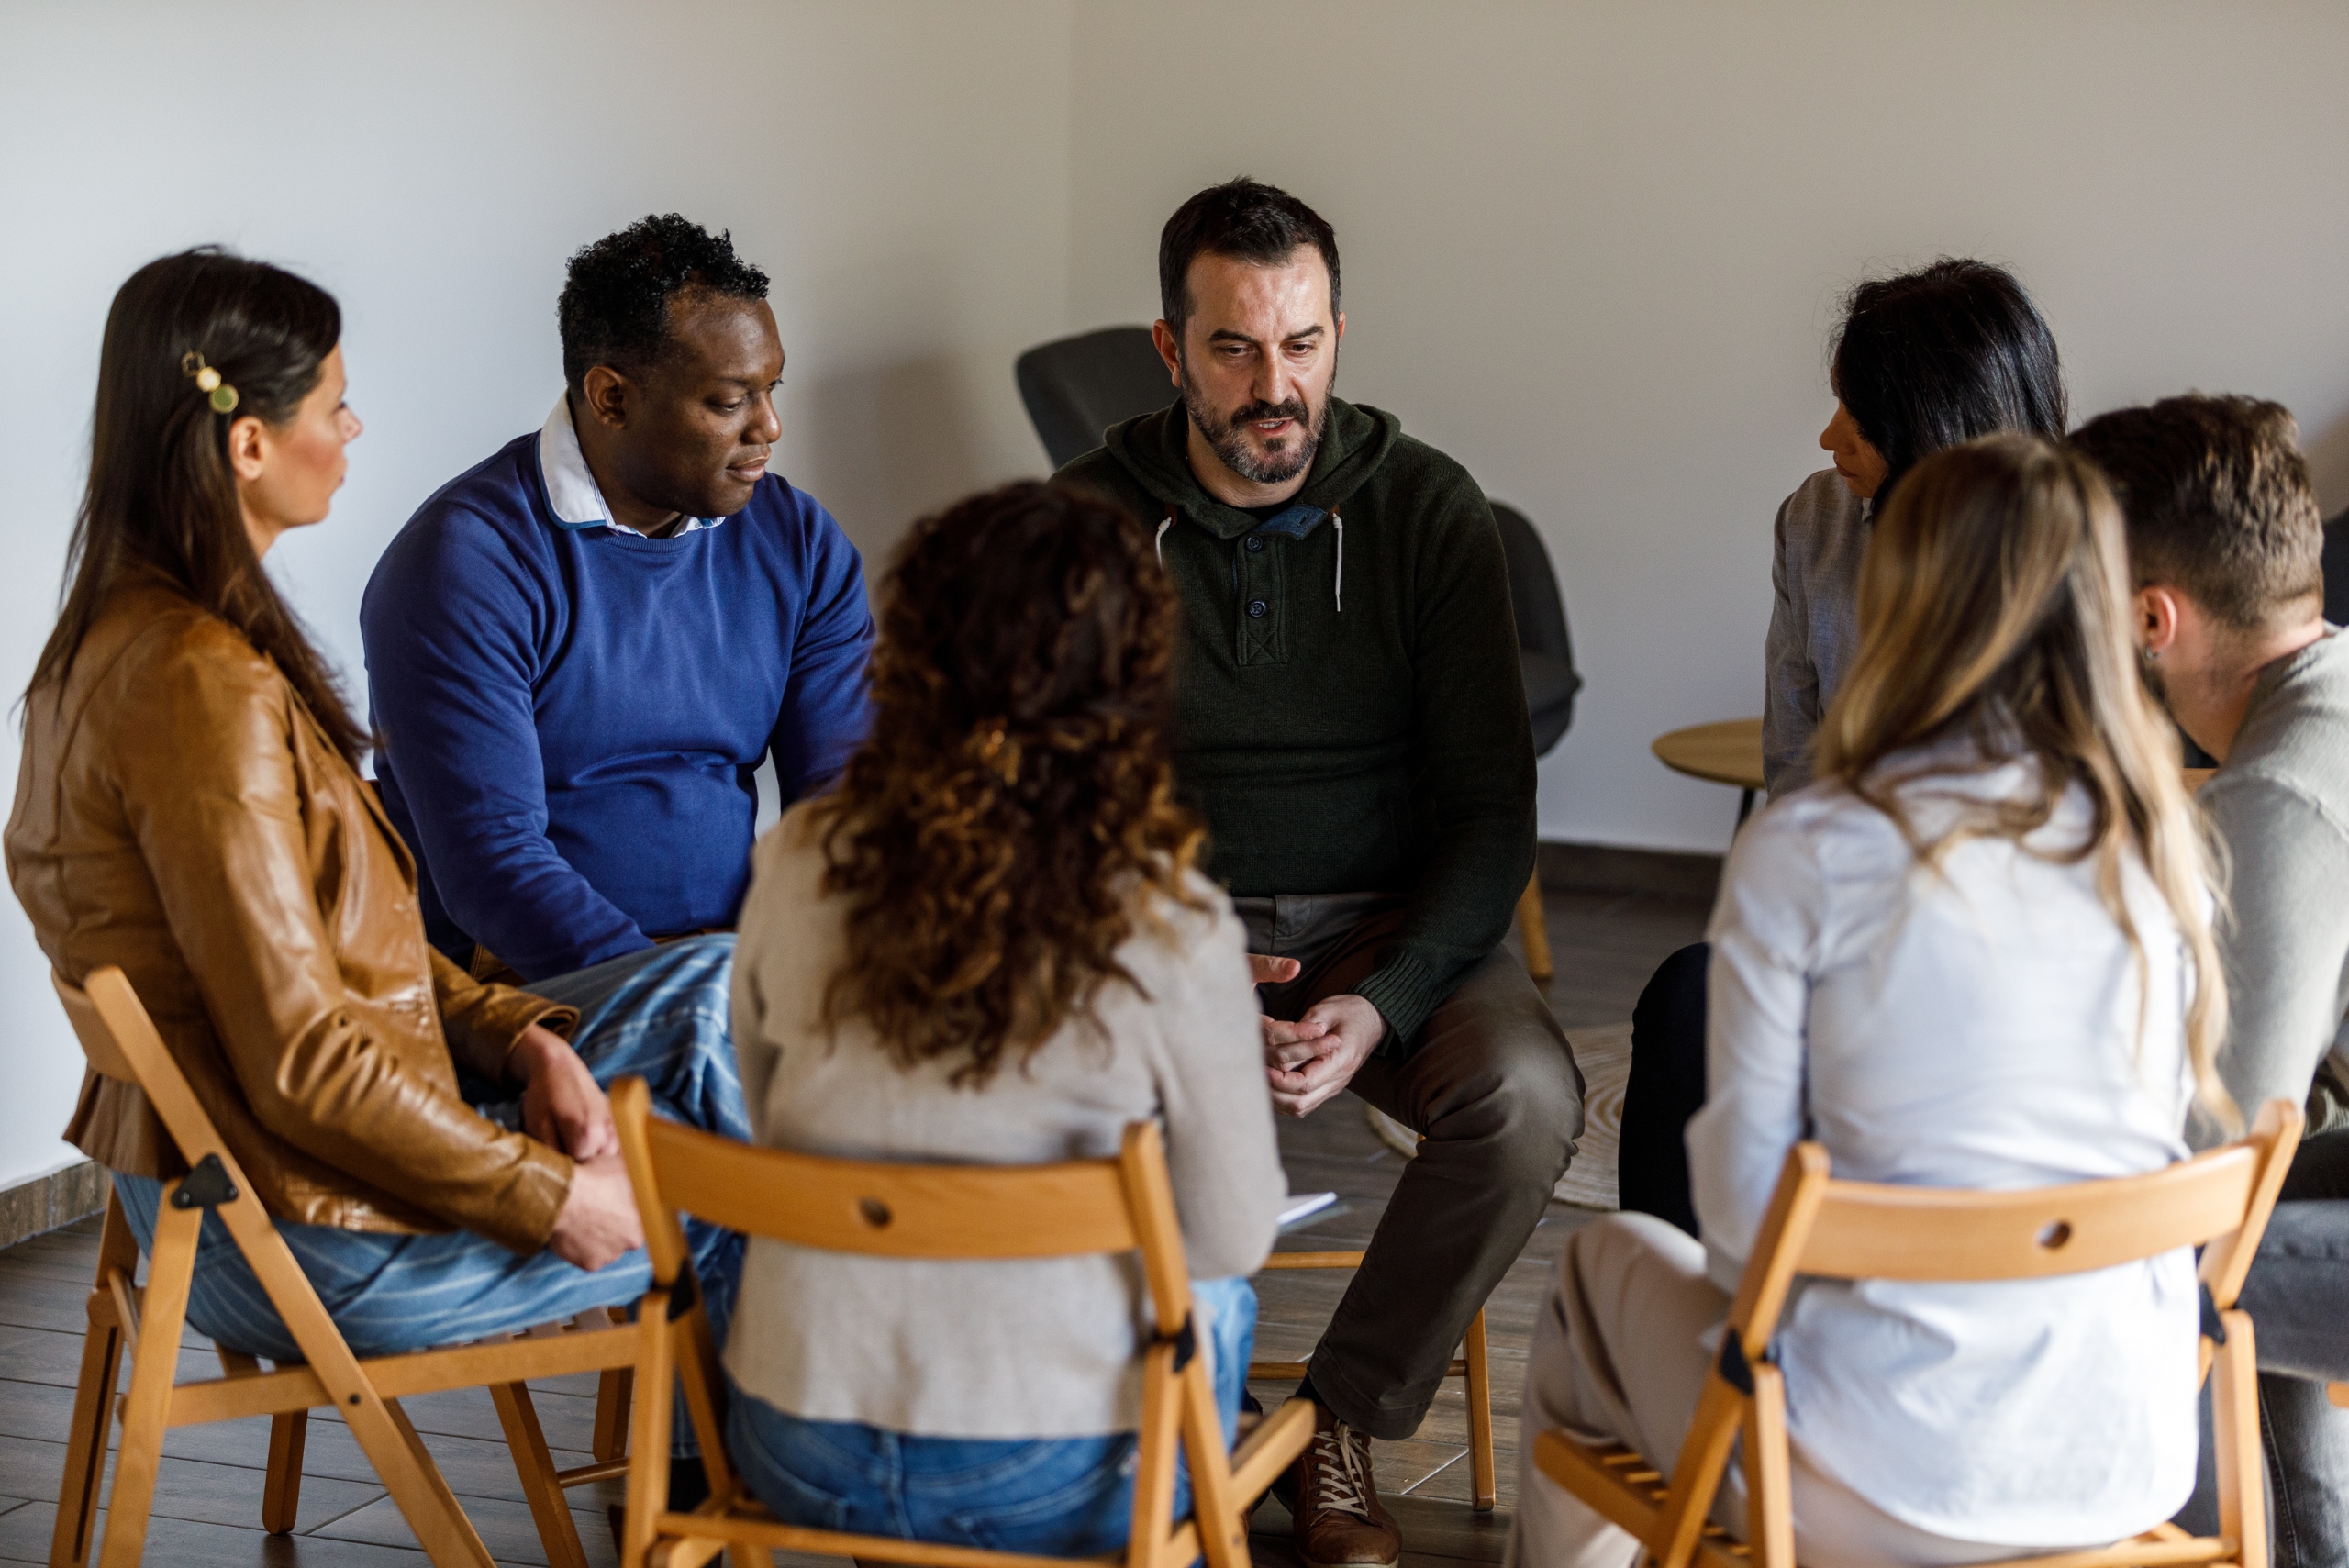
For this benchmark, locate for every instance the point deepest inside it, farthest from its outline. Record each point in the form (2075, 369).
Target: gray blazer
(1814, 621)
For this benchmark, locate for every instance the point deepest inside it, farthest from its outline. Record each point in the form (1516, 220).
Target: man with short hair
(2224, 545)
(580, 650)
(1351, 725)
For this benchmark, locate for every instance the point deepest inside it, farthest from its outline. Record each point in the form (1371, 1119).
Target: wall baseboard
(1609, 867)
(47, 1202)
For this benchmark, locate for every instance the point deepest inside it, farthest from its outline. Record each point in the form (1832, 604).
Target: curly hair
(1012, 821)
(615, 304)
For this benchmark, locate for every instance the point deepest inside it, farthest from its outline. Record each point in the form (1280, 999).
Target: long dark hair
(1943, 355)
(162, 496)
(1012, 821)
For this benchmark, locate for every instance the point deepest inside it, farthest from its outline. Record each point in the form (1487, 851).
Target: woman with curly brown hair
(990, 945)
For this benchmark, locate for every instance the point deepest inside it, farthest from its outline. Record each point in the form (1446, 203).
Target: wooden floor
(208, 1502)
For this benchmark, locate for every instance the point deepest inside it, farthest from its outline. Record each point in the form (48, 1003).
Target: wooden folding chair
(1864, 1231)
(1123, 1205)
(1471, 1364)
(121, 1043)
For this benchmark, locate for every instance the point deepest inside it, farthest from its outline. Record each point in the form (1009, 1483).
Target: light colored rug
(1604, 1054)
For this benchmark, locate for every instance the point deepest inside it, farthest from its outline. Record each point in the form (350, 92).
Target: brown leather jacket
(180, 814)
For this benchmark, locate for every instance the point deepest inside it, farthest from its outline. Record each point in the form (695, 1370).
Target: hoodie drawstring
(1159, 543)
(1339, 523)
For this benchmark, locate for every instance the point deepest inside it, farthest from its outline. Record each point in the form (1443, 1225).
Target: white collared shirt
(1975, 1026)
(571, 490)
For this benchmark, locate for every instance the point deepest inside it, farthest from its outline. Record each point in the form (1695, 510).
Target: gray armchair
(1077, 387)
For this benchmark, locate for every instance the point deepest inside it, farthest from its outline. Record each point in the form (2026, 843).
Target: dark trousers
(1665, 1088)
(1492, 1086)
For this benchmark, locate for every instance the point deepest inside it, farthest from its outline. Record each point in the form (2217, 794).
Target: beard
(1277, 462)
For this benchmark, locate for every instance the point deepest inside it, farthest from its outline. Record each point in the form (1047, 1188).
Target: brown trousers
(1492, 1086)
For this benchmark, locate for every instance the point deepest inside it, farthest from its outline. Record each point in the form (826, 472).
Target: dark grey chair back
(1545, 650)
(1077, 387)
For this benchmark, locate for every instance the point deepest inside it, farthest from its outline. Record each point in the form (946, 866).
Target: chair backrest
(966, 1212)
(1552, 679)
(1077, 387)
(121, 1043)
(1534, 594)
(1867, 1231)
(893, 1211)
(106, 1057)
(1841, 1229)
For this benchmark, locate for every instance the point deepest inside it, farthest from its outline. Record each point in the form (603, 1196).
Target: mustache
(1294, 408)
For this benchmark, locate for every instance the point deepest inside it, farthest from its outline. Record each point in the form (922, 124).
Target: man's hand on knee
(562, 1105)
(1314, 1058)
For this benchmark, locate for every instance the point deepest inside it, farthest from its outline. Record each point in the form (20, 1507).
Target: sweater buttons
(1254, 543)
(1256, 609)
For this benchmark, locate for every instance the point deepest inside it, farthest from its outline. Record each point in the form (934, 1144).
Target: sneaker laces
(1342, 1456)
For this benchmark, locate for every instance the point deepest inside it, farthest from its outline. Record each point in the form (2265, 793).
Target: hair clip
(223, 396)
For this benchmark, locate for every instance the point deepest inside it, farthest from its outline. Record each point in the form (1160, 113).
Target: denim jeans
(662, 1013)
(1057, 1497)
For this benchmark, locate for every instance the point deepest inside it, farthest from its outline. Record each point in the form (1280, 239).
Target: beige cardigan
(1017, 1350)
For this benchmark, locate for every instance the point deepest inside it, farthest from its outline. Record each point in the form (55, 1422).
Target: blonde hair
(1993, 604)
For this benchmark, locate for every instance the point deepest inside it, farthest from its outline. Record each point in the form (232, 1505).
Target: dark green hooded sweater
(1356, 733)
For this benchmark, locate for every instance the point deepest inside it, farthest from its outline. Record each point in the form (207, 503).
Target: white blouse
(1977, 1027)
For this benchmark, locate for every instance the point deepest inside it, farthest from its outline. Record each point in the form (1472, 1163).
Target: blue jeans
(1057, 1497)
(662, 1013)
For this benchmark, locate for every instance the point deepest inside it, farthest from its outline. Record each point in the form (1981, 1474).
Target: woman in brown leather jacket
(437, 1152)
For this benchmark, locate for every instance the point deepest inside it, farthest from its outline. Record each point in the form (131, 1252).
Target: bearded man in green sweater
(1352, 726)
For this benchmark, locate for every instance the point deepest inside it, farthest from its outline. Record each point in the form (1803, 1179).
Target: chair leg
(154, 1368)
(647, 1443)
(614, 1391)
(1481, 1468)
(1534, 928)
(85, 1450)
(2242, 1469)
(1769, 1496)
(102, 1346)
(557, 1531)
(438, 1520)
(281, 1495)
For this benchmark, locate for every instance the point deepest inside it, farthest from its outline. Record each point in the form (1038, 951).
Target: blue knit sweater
(570, 715)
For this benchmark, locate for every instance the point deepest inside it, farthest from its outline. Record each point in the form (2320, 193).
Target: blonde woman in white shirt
(1977, 953)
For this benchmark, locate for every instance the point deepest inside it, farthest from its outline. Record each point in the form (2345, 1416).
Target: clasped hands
(564, 1107)
(1313, 1058)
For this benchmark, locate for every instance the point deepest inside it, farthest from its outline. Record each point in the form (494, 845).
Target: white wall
(900, 170)
(1594, 251)
(1591, 250)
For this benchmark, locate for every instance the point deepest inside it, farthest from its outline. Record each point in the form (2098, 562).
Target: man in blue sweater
(580, 650)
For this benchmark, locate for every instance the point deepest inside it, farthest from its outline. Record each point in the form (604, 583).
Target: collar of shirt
(571, 490)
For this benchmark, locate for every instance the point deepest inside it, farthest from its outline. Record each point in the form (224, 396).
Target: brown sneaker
(1339, 1522)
